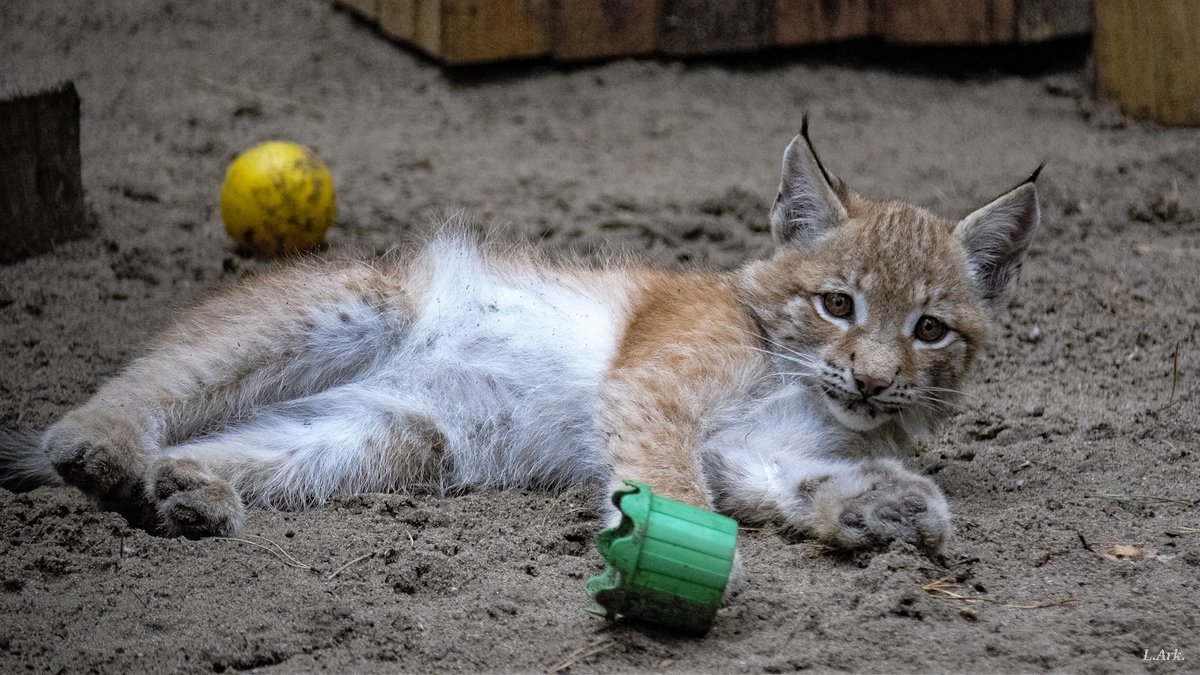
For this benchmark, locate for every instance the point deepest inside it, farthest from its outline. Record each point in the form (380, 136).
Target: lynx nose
(870, 386)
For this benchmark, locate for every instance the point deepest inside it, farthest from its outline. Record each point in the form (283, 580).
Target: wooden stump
(1148, 58)
(41, 190)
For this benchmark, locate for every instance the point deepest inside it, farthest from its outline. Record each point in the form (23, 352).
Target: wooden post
(1148, 58)
(41, 189)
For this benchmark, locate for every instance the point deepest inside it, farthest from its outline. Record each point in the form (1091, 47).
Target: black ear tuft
(833, 182)
(1034, 176)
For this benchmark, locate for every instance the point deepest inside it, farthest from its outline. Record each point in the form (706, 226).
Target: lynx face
(880, 307)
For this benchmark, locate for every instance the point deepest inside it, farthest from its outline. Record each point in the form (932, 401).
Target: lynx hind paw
(98, 454)
(886, 503)
(192, 501)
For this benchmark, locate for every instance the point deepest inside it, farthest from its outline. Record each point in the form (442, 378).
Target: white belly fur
(507, 363)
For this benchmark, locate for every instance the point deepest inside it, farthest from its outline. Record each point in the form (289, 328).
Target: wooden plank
(806, 22)
(398, 18)
(592, 29)
(41, 187)
(367, 9)
(1041, 20)
(482, 31)
(1148, 58)
(946, 22)
(713, 26)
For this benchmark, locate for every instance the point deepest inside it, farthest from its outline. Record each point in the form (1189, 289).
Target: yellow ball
(277, 199)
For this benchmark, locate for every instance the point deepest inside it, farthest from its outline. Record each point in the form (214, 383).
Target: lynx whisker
(812, 365)
(935, 403)
(956, 392)
(775, 343)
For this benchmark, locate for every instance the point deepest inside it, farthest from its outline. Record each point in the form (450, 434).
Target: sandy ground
(1080, 434)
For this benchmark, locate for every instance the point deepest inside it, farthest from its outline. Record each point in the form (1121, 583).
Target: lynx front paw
(885, 503)
(193, 502)
(98, 454)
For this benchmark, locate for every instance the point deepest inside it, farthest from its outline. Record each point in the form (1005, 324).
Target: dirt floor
(1073, 472)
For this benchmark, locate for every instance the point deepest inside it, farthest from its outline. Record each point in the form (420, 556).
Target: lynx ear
(807, 205)
(996, 237)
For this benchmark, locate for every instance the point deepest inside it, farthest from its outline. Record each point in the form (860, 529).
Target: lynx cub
(786, 390)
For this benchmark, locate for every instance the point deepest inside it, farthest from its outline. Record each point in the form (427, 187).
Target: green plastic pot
(668, 562)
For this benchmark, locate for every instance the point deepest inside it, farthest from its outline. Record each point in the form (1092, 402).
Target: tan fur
(682, 351)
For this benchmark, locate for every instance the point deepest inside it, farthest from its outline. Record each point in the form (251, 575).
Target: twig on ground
(279, 548)
(139, 599)
(943, 588)
(591, 649)
(1169, 250)
(560, 516)
(1083, 540)
(343, 568)
(1183, 529)
(283, 556)
(1174, 379)
(252, 97)
(1057, 603)
(1144, 499)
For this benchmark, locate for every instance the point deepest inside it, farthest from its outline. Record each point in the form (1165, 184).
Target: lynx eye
(930, 329)
(839, 305)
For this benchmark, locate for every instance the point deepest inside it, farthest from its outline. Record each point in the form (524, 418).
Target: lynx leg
(348, 440)
(844, 503)
(283, 337)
